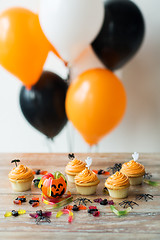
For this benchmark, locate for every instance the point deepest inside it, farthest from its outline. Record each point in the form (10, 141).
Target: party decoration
(135, 156)
(121, 35)
(71, 25)
(41, 216)
(88, 162)
(24, 47)
(95, 103)
(53, 186)
(44, 105)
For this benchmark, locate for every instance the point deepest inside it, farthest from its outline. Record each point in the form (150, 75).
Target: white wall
(140, 128)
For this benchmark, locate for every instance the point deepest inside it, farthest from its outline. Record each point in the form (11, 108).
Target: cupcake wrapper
(121, 193)
(135, 180)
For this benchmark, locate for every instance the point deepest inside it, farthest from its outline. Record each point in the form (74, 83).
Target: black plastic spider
(115, 168)
(126, 204)
(41, 216)
(145, 197)
(82, 201)
(71, 156)
(147, 176)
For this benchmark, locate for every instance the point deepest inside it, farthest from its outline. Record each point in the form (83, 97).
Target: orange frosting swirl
(133, 168)
(118, 179)
(75, 166)
(20, 172)
(86, 176)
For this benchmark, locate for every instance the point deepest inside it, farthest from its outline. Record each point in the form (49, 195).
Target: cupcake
(118, 185)
(74, 167)
(86, 182)
(21, 178)
(135, 172)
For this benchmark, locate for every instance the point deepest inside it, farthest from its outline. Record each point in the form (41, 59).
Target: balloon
(95, 103)
(71, 25)
(121, 35)
(23, 46)
(44, 105)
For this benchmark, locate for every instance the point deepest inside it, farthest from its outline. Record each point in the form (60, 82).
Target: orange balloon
(23, 46)
(95, 103)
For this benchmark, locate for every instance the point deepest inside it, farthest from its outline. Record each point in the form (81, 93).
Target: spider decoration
(41, 216)
(71, 156)
(145, 197)
(82, 201)
(126, 204)
(115, 168)
(147, 176)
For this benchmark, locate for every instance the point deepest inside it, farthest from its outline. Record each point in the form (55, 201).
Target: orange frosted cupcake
(118, 185)
(135, 172)
(74, 167)
(86, 182)
(21, 178)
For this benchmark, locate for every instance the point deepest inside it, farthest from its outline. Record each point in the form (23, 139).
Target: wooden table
(143, 222)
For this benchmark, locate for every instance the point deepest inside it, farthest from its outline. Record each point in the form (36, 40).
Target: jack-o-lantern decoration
(53, 185)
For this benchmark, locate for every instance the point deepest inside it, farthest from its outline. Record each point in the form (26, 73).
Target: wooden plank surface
(143, 221)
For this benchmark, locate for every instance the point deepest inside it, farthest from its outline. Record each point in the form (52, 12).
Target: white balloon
(71, 25)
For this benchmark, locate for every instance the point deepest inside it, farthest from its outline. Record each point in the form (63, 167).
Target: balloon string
(94, 148)
(48, 145)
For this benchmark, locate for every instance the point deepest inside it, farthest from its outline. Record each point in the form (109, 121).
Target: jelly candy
(59, 214)
(21, 211)
(35, 204)
(8, 214)
(17, 202)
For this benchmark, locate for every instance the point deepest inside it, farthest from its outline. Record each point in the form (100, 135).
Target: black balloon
(121, 35)
(44, 105)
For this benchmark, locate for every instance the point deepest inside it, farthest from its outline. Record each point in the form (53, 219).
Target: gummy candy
(82, 207)
(59, 214)
(92, 207)
(8, 214)
(17, 202)
(35, 204)
(70, 219)
(96, 213)
(120, 213)
(21, 211)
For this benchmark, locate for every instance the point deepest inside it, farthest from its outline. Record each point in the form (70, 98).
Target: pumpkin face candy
(53, 185)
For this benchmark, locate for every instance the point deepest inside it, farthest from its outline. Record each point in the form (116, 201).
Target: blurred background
(140, 128)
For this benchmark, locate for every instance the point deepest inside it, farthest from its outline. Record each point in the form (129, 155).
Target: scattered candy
(147, 176)
(21, 198)
(145, 197)
(91, 211)
(75, 208)
(105, 190)
(82, 207)
(69, 207)
(115, 168)
(41, 216)
(18, 202)
(110, 202)
(98, 200)
(36, 182)
(39, 172)
(152, 183)
(15, 213)
(94, 211)
(101, 172)
(34, 201)
(92, 207)
(96, 214)
(35, 204)
(126, 204)
(120, 213)
(65, 211)
(104, 202)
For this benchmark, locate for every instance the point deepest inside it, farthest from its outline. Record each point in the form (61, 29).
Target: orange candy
(23, 46)
(95, 104)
